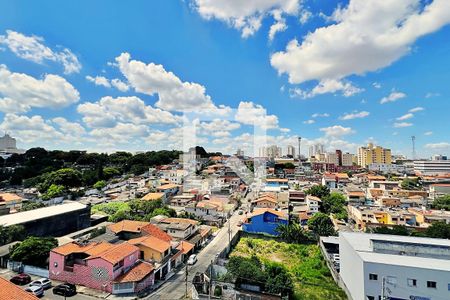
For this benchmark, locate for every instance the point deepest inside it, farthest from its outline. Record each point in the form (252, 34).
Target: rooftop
(167, 186)
(151, 242)
(136, 273)
(9, 291)
(153, 196)
(40, 213)
(155, 231)
(127, 226)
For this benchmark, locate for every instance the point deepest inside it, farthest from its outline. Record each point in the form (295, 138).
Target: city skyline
(75, 85)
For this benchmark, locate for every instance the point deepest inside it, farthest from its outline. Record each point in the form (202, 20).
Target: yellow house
(152, 248)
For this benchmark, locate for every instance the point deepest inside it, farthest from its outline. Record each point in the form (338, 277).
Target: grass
(305, 263)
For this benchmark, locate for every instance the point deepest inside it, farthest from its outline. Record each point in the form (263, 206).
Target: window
(412, 282)
(370, 298)
(431, 284)
(373, 276)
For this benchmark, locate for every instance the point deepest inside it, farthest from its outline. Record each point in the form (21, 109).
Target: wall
(150, 254)
(260, 225)
(351, 270)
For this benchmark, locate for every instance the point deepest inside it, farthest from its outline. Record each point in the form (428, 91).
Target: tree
(54, 191)
(395, 230)
(288, 166)
(246, 270)
(319, 191)
(334, 203)
(33, 251)
(438, 229)
(442, 203)
(411, 184)
(278, 279)
(32, 205)
(321, 225)
(110, 172)
(292, 233)
(100, 184)
(11, 234)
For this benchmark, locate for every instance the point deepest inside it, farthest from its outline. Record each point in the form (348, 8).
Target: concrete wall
(351, 270)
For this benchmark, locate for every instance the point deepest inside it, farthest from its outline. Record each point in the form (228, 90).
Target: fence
(21, 268)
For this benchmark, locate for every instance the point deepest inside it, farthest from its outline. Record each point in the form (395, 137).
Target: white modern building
(432, 167)
(290, 151)
(347, 159)
(390, 168)
(396, 267)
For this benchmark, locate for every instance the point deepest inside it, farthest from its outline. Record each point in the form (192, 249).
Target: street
(175, 287)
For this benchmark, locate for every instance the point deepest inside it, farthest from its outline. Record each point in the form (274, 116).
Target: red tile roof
(152, 243)
(127, 226)
(185, 247)
(9, 291)
(137, 273)
(116, 253)
(155, 231)
(90, 249)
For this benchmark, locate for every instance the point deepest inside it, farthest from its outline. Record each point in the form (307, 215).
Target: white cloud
(305, 15)
(428, 133)
(431, 95)
(376, 85)
(278, 26)
(327, 86)
(245, 16)
(416, 109)
(120, 85)
(337, 131)
(219, 125)
(359, 41)
(405, 117)
(402, 124)
(309, 122)
(443, 146)
(254, 114)
(32, 48)
(392, 97)
(99, 80)
(318, 115)
(285, 130)
(70, 128)
(355, 115)
(173, 94)
(109, 111)
(20, 92)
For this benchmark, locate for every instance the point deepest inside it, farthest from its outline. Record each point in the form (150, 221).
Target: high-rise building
(270, 151)
(7, 143)
(370, 154)
(347, 159)
(332, 158)
(339, 157)
(290, 151)
(239, 152)
(439, 157)
(316, 149)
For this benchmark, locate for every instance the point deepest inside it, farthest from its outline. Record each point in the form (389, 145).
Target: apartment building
(432, 167)
(397, 267)
(373, 154)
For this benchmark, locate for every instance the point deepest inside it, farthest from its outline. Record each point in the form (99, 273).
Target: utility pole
(186, 281)
(383, 288)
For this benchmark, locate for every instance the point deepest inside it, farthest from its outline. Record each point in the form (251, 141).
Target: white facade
(7, 143)
(432, 167)
(410, 267)
(332, 158)
(347, 159)
(291, 150)
(389, 168)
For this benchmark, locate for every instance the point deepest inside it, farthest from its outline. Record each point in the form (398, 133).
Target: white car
(192, 259)
(45, 283)
(38, 291)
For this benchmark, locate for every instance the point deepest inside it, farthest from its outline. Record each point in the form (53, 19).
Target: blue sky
(112, 75)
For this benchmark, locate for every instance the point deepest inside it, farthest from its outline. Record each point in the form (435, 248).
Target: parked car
(38, 291)
(192, 259)
(240, 212)
(45, 283)
(21, 279)
(65, 289)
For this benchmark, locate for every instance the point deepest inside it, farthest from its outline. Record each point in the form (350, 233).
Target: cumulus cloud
(402, 124)
(392, 97)
(438, 146)
(278, 26)
(20, 92)
(99, 80)
(355, 115)
(405, 117)
(173, 94)
(109, 111)
(254, 114)
(219, 125)
(245, 16)
(309, 122)
(305, 15)
(33, 48)
(337, 131)
(428, 133)
(327, 86)
(358, 41)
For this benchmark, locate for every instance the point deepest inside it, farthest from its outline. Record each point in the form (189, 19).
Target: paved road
(175, 288)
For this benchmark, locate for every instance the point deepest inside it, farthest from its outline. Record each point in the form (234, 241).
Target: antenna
(413, 140)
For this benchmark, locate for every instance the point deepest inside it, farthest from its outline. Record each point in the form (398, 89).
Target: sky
(135, 76)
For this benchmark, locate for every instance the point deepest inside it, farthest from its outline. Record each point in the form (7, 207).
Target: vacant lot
(305, 263)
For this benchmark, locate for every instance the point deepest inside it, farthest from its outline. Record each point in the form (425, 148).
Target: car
(38, 291)
(192, 259)
(65, 289)
(45, 283)
(240, 212)
(21, 279)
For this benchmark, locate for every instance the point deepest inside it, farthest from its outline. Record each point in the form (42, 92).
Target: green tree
(54, 191)
(278, 280)
(438, 229)
(11, 234)
(289, 166)
(395, 230)
(319, 191)
(245, 270)
(100, 184)
(335, 203)
(292, 233)
(110, 172)
(33, 251)
(321, 225)
(411, 184)
(442, 203)
(32, 205)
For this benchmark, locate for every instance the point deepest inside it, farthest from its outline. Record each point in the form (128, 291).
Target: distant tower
(299, 148)
(413, 140)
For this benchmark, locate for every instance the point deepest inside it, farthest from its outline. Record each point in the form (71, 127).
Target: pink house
(111, 268)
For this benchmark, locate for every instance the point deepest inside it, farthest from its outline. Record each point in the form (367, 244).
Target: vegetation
(97, 232)
(32, 205)
(11, 234)
(319, 191)
(293, 233)
(442, 203)
(99, 184)
(279, 266)
(321, 225)
(411, 184)
(334, 203)
(438, 229)
(33, 251)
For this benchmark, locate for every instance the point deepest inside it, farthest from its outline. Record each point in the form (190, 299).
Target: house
(439, 189)
(10, 291)
(281, 183)
(264, 220)
(313, 204)
(178, 228)
(127, 229)
(10, 203)
(103, 266)
(210, 211)
(329, 180)
(182, 200)
(355, 196)
(168, 189)
(265, 201)
(154, 197)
